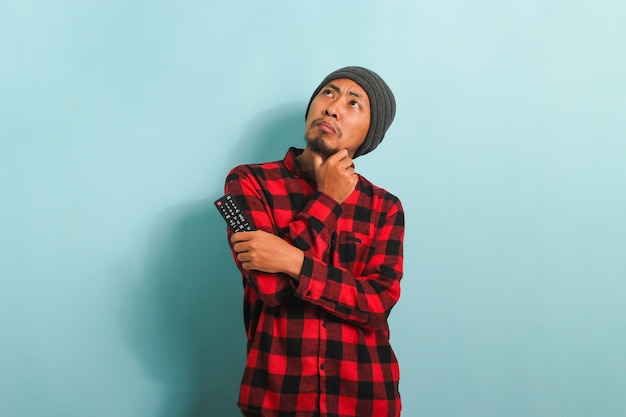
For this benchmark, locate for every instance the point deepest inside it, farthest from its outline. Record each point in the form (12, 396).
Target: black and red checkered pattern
(320, 346)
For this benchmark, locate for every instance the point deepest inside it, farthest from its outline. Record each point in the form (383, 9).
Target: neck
(306, 160)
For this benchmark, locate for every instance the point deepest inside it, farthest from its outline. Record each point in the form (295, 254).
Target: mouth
(325, 126)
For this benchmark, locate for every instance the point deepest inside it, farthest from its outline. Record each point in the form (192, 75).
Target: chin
(318, 145)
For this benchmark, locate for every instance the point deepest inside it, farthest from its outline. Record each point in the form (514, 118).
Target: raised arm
(366, 285)
(309, 231)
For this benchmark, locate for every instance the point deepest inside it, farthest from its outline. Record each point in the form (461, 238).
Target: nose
(331, 110)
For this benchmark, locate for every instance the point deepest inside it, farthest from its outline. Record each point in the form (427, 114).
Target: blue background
(119, 121)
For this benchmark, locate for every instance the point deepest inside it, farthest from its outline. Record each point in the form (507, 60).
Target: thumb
(317, 160)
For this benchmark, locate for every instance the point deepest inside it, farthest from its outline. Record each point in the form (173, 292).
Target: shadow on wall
(184, 319)
(268, 136)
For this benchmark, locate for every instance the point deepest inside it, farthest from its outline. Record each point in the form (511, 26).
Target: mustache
(320, 120)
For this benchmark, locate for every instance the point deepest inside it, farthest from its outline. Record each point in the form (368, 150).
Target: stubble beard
(318, 145)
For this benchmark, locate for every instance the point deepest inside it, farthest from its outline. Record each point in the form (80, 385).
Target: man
(322, 271)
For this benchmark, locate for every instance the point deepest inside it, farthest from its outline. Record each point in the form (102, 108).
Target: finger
(343, 155)
(237, 237)
(346, 161)
(246, 265)
(240, 247)
(340, 155)
(347, 164)
(240, 237)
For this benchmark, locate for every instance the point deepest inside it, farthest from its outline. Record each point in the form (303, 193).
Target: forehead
(347, 86)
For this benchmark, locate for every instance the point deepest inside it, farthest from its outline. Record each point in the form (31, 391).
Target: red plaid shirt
(320, 346)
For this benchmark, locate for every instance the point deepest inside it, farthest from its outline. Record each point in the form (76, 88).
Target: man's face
(339, 118)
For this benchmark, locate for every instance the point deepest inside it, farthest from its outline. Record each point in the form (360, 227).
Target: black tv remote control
(232, 213)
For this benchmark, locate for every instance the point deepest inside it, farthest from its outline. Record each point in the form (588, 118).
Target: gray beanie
(382, 103)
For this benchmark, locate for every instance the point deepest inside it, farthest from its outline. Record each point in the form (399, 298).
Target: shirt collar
(293, 165)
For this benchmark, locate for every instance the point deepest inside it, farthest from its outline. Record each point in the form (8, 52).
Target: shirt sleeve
(310, 230)
(272, 289)
(365, 299)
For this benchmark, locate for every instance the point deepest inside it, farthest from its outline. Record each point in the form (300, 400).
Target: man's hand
(262, 251)
(335, 176)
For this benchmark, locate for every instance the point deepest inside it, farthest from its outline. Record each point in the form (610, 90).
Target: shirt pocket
(354, 251)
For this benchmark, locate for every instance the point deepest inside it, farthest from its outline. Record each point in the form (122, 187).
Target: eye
(355, 104)
(328, 92)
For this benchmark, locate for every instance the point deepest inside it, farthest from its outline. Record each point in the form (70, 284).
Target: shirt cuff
(324, 208)
(312, 282)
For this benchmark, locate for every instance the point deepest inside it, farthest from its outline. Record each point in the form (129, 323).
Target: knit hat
(382, 103)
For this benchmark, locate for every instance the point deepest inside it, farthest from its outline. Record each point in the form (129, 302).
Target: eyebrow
(352, 93)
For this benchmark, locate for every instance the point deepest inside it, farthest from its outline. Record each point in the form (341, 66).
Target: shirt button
(325, 324)
(308, 293)
(322, 367)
